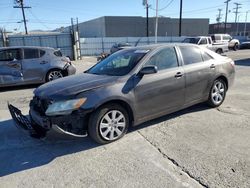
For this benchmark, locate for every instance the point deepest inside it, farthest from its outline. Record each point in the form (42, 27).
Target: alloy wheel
(112, 125)
(218, 92)
(53, 75)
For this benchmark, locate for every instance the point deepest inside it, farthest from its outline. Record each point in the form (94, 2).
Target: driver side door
(162, 92)
(11, 66)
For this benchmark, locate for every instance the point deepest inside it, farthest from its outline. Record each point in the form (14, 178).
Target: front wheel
(219, 51)
(217, 93)
(108, 123)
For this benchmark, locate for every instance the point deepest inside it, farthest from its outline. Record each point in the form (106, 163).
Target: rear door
(10, 66)
(34, 67)
(159, 93)
(199, 71)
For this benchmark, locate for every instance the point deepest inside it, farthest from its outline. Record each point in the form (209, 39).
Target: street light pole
(237, 30)
(245, 27)
(180, 20)
(156, 21)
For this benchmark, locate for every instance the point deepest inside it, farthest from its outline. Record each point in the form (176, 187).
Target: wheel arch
(224, 78)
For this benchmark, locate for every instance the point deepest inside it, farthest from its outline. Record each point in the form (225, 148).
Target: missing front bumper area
(23, 122)
(37, 125)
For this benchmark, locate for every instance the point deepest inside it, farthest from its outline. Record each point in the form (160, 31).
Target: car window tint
(42, 52)
(206, 56)
(203, 41)
(209, 41)
(191, 55)
(31, 53)
(10, 55)
(58, 53)
(164, 59)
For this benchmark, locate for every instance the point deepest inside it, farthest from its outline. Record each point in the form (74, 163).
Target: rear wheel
(219, 51)
(217, 93)
(53, 75)
(108, 123)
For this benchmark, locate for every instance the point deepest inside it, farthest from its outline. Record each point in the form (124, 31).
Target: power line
(42, 23)
(160, 9)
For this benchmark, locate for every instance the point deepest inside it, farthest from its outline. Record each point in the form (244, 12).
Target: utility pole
(180, 19)
(218, 19)
(225, 26)
(20, 2)
(145, 3)
(245, 27)
(156, 21)
(237, 10)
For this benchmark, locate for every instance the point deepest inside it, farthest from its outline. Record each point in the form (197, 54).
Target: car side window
(10, 55)
(191, 55)
(206, 56)
(31, 53)
(203, 41)
(41, 53)
(164, 59)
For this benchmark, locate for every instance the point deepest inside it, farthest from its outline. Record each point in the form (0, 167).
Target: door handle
(44, 62)
(178, 75)
(212, 66)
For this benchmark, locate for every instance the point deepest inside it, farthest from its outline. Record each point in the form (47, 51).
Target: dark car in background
(127, 88)
(119, 46)
(31, 65)
(245, 45)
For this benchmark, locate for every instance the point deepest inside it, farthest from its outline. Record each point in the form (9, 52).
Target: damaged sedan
(126, 89)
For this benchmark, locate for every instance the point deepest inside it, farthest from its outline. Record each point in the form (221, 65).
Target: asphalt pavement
(195, 147)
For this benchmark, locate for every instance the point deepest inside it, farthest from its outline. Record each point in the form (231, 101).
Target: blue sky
(51, 14)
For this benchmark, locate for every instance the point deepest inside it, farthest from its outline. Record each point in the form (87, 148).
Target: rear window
(31, 53)
(58, 53)
(191, 55)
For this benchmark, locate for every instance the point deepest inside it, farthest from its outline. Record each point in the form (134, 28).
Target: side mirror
(151, 69)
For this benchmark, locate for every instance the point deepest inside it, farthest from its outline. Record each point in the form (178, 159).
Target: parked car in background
(245, 45)
(118, 46)
(233, 44)
(127, 88)
(207, 42)
(30, 65)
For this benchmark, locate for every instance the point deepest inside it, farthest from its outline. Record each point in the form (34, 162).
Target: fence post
(102, 45)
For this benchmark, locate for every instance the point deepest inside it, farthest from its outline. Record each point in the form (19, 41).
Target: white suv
(225, 38)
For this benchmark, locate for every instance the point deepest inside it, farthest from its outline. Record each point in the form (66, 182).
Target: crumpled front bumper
(38, 125)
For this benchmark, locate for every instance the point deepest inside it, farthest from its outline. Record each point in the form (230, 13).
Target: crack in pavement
(183, 169)
(225, 111)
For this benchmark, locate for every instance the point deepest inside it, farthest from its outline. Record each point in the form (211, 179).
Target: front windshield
(119, 63)
(191, 40)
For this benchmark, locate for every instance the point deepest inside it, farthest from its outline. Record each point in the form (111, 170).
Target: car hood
(72, 85)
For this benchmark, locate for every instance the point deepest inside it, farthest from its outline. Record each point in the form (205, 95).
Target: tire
(101, 129)
(53, 75)
(219, 51)
(217, 93)
(236, 47)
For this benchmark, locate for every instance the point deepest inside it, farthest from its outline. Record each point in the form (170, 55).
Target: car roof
(34, 47)
(155, 46)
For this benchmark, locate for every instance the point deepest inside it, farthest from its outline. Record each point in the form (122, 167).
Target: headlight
(64, 107)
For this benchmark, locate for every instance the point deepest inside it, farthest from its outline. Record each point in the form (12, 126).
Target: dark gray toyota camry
(127, 88)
